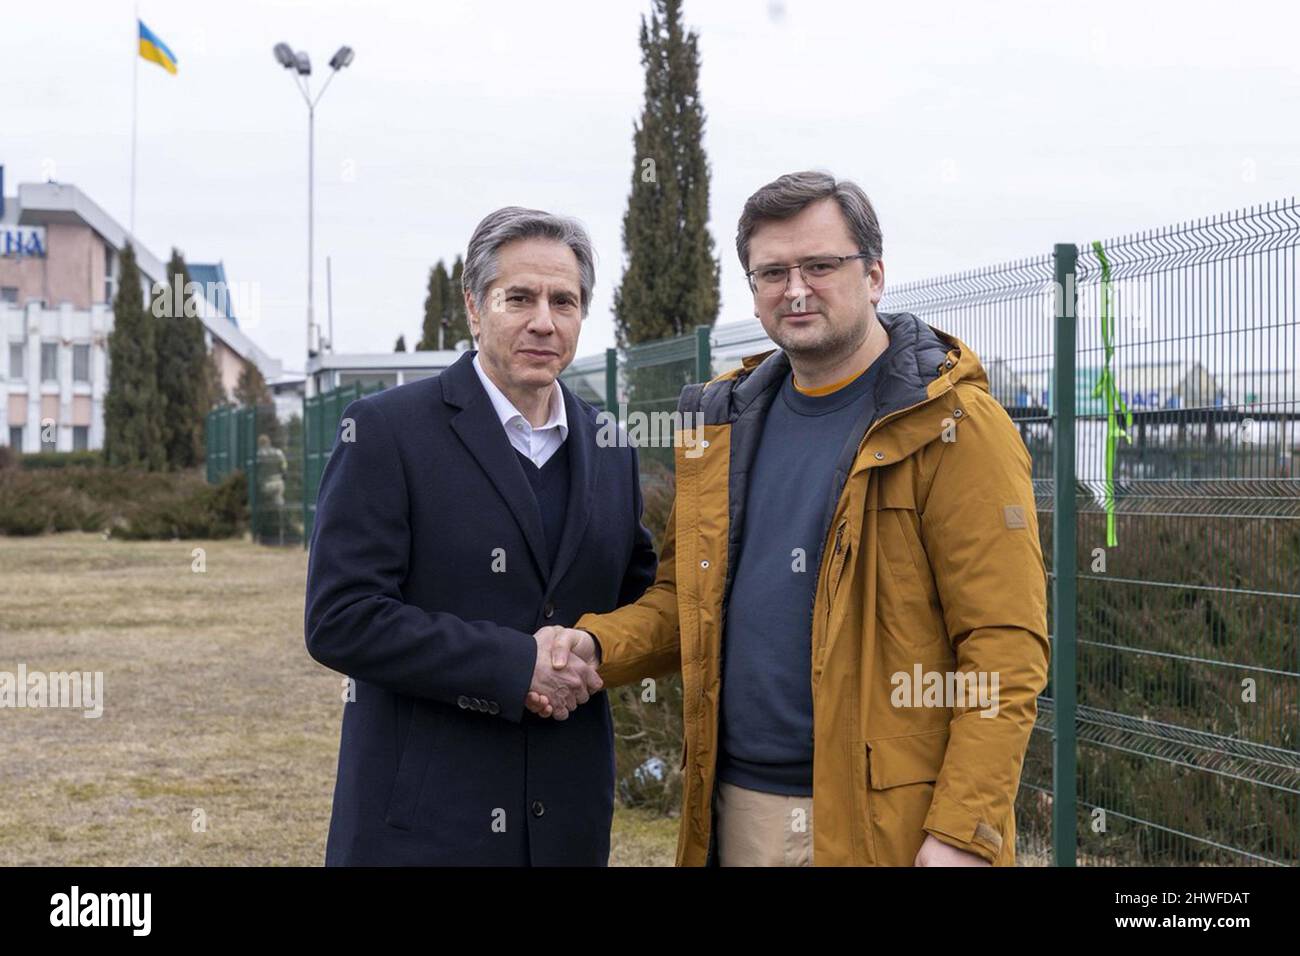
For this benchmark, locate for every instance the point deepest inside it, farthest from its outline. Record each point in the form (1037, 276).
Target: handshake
(565, 674)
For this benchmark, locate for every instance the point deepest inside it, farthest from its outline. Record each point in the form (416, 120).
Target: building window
(16, 352)
(16, 437)
(80, 437)
(81, 363)
(9, 294)
(368, 379)
(49, 361)
(110, 278)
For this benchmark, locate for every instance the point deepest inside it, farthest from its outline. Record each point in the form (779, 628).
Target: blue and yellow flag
(154, 50)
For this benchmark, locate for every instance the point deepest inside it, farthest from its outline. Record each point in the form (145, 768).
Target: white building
(59, 261)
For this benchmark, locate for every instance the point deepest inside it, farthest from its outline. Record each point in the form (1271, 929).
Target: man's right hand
(565, 672)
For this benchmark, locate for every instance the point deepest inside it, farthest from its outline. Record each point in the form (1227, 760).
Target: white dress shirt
(536, 444)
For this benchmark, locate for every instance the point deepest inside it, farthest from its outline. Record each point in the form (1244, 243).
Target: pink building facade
(59, 258)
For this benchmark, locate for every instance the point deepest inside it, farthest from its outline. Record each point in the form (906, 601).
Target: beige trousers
(763, 829)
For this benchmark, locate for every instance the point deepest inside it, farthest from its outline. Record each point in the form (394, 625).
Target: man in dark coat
(461, 520)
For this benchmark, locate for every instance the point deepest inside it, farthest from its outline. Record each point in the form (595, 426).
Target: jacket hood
(917, 357)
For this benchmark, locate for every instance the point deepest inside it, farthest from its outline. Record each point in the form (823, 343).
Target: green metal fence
(653, 376)
(321, 416)
(268, 450)
(1170, 735)
(228, 437)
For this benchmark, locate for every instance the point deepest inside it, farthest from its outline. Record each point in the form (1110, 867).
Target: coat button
(549, 610)
(880, 456)
(538, 808)
(462, 702)
(956, 413)
(704, 565)
(947, 364)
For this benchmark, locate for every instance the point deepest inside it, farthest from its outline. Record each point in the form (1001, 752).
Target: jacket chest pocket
(909, 612)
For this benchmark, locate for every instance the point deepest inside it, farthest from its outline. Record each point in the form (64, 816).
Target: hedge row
(125, 503)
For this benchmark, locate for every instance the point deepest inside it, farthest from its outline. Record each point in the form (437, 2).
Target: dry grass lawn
(213, 710)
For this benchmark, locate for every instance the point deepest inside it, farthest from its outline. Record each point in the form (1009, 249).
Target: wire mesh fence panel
(1189, 544)
(218, 438)
(732, 342)
(275, 469)
(655, 374)
(321, 416)
(1003, 313)
(585, 377)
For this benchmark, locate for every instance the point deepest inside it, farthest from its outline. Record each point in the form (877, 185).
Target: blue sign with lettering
(22, 241)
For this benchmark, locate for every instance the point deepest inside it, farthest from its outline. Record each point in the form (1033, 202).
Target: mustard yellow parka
(931, 564)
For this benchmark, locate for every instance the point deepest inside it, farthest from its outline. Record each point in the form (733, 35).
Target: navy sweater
(766, 720)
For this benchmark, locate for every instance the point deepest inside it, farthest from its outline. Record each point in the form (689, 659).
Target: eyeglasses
(817, 273)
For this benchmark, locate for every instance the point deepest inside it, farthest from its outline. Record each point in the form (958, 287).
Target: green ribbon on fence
(1107, 390)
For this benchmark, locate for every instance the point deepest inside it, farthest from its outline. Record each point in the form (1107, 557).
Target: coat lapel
(582, 484)
(480, 429)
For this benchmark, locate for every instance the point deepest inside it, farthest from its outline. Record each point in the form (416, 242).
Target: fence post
(703, 356)
(306, 467)
(210, 465)
(247, 430)
(611, 382)
(1064, 563)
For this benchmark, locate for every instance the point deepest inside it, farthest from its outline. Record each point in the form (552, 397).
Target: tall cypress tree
(458, 324)
(182, 369)
(132, 405)
(400, 344)
(437, 308)
(670, 279)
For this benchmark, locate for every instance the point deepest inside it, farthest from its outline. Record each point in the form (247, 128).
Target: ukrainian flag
(154, 50)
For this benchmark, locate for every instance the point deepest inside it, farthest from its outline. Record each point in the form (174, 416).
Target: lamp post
(300, 64)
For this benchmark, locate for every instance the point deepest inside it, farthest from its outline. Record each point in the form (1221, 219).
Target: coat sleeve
(356, 620)
(641, 639)
(980, 531)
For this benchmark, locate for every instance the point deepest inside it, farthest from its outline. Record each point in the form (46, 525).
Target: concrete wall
(72, 270)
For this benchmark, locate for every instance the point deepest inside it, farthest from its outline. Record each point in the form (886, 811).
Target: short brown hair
(789, 194)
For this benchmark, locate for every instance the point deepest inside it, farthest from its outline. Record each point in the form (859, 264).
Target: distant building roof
(212, 276)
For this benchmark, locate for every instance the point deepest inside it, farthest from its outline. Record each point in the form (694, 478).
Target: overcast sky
(982, 132)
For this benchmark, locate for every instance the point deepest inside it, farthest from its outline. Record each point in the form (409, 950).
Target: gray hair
(789, 194)
(514, 222)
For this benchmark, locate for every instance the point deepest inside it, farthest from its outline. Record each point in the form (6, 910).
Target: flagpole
(135, 107)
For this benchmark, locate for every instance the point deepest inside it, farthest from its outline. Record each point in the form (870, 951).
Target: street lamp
(300, 65)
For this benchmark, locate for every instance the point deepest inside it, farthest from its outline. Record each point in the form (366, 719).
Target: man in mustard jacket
(851, 581)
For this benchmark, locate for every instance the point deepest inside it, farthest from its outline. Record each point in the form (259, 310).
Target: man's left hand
(935, 852)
